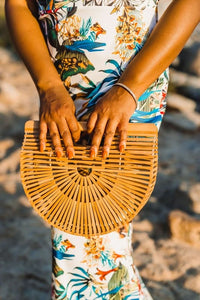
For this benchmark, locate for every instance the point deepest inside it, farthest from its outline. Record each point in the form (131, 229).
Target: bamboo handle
(133, 128)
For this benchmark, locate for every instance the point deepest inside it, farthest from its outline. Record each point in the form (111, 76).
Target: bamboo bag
(89, 197)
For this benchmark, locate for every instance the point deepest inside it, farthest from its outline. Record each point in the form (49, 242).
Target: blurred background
(166, 236)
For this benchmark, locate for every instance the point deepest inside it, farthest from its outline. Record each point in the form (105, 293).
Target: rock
(5, 56)
(184, 227)
(192, 283)
(186, 106)
(11, 163)
(5, 145)
(184, 197)
(163, 182)
(177, 198)
(179, 78)
(161, 292)
(190, 92)
(10, 91)
(9, 184)
(12, 125)
(3, 109)
(143, 226)
(194, 194)
(180, 103)
(185, 84)
(189, 59)
(17, 91)
(181, 122)
(194, 117)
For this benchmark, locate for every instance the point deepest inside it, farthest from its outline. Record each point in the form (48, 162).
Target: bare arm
(29, 41)
(57, 111)
(163, 45)
(166, 41)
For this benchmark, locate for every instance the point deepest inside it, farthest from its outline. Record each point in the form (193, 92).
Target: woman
(82, 57)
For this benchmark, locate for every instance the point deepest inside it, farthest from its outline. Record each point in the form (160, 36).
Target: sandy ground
(169, 267)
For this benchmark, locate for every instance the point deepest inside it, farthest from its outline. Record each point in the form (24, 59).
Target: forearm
(30, 43)
(163, 45)
(57, 110)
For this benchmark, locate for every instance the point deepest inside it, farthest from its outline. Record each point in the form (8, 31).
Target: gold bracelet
(127, 89)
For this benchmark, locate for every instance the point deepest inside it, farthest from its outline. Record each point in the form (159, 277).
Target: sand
(169, 266)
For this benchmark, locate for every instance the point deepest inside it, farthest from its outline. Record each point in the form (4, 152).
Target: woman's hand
(57, 113)
(112, 112)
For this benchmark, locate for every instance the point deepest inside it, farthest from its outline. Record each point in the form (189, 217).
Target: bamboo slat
(89, 197)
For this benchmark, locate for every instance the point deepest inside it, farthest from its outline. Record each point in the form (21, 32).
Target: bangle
(128, 90)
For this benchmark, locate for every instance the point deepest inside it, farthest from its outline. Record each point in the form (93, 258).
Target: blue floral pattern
(100, 267)
(91, 42)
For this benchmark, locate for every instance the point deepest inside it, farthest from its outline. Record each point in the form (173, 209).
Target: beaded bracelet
(127, 89)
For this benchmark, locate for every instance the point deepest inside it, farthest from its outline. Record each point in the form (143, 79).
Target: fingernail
(121, 148)
(70, 154)
(105, 154)
(93, 152)
(58, 153)
(42, 147)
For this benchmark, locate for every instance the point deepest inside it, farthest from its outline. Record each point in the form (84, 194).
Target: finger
(91, 122)
(43, 135)
(74, 127)
(109, 133)
(122, 129)
(67, 138)
(55, 137)
(97, 136)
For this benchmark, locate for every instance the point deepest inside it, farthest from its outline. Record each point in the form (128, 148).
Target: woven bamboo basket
(89, 197)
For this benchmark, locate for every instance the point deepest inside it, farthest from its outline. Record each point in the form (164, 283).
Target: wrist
(120, 95)
(54, 92)
(48, 85)
(127, 89)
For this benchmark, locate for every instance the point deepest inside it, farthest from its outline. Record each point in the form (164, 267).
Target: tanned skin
(57, 110)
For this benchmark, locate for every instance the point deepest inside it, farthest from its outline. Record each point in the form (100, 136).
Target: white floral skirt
(95, 268)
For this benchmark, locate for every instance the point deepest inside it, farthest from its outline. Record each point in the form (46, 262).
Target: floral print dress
(91, 42)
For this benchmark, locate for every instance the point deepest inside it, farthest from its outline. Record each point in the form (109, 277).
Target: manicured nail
(122, 148)
(104, 154)
(93, 152)
(42, 146)
(70, 154)
(58, 153)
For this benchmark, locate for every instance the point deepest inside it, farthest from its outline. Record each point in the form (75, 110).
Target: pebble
(185, 227)
(5, 56)
(9, 91)
(189, 59)
(194, 194)
(181, 122)
(180, 103)
(5, 145)
(11, 163)
(161, 292)
(178, 78)
(192, 283)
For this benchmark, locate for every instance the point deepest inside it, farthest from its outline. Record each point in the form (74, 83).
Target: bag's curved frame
(90, 197)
